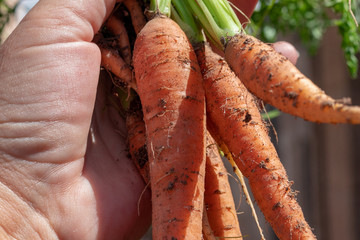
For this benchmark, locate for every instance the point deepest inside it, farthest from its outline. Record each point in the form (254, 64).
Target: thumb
(286, 49)
(48, 73)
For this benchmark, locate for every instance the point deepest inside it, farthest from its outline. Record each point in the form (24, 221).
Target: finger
(51, 21)
(48, 78)
(49, 74)
(287, 49)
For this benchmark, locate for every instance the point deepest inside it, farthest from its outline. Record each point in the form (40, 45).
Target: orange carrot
(218, 199)
(113, 62)
(274, 79)
(117, 27)
(170, 88)
(219, 203)
(234, 118)
(137, 16)
(137, 140)
(207, 232)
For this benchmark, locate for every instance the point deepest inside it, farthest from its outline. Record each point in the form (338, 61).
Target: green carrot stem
(217, 18)
(161, 6)
(181, 14)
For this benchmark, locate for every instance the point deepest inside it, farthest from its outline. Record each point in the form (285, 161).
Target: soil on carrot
(141, 156)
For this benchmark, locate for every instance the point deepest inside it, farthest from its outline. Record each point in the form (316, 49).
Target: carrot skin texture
(113, 62)
(219, 203)
(136, 13)
(233, 118)
(218, 199)
(138, 151)
(274, 79)
(208, 233)
(170, 88)
(117, 27)
(137, 142)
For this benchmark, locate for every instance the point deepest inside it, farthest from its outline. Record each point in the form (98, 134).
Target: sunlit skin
(56, 179)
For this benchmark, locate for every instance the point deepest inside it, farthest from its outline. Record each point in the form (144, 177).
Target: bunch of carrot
(189, 95)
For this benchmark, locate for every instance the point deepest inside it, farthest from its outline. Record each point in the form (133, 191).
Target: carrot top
(160, 6)
(181, 14)
(217, 18)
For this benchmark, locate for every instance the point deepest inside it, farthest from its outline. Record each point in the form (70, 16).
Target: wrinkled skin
(64, 171)
(55, 181)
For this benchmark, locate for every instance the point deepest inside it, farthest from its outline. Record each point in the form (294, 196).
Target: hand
(55, 181)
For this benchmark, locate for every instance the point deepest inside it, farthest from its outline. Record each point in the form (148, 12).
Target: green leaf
(5, 12)
(309, 19)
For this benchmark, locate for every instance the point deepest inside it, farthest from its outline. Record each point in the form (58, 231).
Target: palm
(105, 194)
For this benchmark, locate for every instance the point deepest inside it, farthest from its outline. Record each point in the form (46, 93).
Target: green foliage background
(5, 12)
(310, 19)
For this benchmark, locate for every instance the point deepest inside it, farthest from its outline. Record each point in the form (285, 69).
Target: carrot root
(208, 233)
(113, 62)
(137, 142)
(220, 207)
(170, 88)
(243, 185)
(274, 79)
(136, 13)
(237, 122)
(117, 27)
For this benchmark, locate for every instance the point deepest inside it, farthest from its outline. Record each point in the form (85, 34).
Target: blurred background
(321, 159)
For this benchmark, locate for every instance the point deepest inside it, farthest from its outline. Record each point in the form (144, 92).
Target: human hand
(55, 182)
